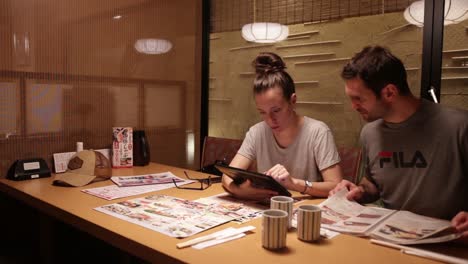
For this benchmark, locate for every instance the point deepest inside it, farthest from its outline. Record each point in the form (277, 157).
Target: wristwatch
(308, 185)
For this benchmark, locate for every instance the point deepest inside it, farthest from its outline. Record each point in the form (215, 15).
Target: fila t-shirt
(421, 164)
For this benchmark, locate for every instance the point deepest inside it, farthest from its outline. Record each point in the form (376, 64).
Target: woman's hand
(246, 191)
(281, 175)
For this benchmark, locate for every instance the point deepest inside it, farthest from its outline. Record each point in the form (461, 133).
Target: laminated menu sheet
(171, 216)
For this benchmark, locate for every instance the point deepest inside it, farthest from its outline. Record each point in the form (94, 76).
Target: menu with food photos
(401, 227)
(171, 216)
(145, 179)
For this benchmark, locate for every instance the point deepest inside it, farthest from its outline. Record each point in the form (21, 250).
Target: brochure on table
(401, 227)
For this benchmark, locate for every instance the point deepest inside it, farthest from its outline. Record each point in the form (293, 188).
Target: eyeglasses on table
(205, 183)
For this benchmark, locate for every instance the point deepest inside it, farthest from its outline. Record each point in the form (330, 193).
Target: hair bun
(267, 62)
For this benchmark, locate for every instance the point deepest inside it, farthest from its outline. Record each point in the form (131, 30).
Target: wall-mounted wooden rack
(220, 99)
(309, 44)
(309, 55)
(300, 37)
(319, 103)
(303, 33)
(454, 78)
(321, 21)
(251, 47)
(216, 37)
(460, 58)
(307, 82)
(460, 93)
(394, 29)
(246, 73)
(455, 68)
(321, 61)
(452, 51)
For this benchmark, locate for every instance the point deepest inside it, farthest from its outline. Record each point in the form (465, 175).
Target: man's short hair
(377, 67)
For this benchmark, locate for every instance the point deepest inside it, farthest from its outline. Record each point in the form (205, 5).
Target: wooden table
(75, 208)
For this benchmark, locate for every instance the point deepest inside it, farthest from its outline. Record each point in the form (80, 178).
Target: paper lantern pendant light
(153, 46)
(264, 32)
(455, 11)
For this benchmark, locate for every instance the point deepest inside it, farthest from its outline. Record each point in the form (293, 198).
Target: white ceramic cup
(284, 203)
(274, 229)
(308, 222)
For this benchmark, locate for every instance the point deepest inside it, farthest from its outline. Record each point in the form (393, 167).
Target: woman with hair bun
(297, 151)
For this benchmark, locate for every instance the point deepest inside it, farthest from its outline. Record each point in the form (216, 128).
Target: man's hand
(355, 192)
(460, 223)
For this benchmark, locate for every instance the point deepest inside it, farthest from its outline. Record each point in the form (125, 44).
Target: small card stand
(28, 169)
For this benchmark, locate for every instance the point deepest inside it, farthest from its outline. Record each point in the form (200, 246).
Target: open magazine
(401, 227)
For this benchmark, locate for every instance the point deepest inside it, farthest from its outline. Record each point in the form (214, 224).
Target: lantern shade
(264, 32)
(153, 46)
(455, 11)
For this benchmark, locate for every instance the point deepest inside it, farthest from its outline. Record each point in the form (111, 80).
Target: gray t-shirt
(421, 164)
(312, 150)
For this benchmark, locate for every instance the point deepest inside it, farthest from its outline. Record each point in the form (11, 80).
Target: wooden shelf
(321, 61)
(216, 37)
(319, 103)
(412, 69)
(246, 73)
(251, 47)
(309, 55)
(460, 93)
(309, 44)
(455, 68)
(220, 99)
(307, 82)
(296, 38)
(451, 51)
(460, 58)
(321, 21)
(454, 78)
(303, 33)
(394, 29)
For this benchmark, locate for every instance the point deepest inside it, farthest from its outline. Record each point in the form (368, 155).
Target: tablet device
(258, 180)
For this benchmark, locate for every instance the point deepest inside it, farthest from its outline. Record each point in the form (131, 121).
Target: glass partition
(323, 36)
(72, 70)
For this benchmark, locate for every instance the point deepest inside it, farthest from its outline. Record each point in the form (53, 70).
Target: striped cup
(308, 222)
(284, 203)
(274, 229)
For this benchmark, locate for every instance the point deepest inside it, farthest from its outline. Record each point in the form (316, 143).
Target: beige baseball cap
(85, 167)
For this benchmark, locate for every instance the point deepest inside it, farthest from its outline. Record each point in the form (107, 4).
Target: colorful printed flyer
(171, 216)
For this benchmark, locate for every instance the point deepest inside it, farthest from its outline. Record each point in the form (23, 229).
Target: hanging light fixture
(455, 11)
(153, 46)
(264, 32)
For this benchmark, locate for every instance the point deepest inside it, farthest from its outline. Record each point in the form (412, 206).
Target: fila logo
(399, 160)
